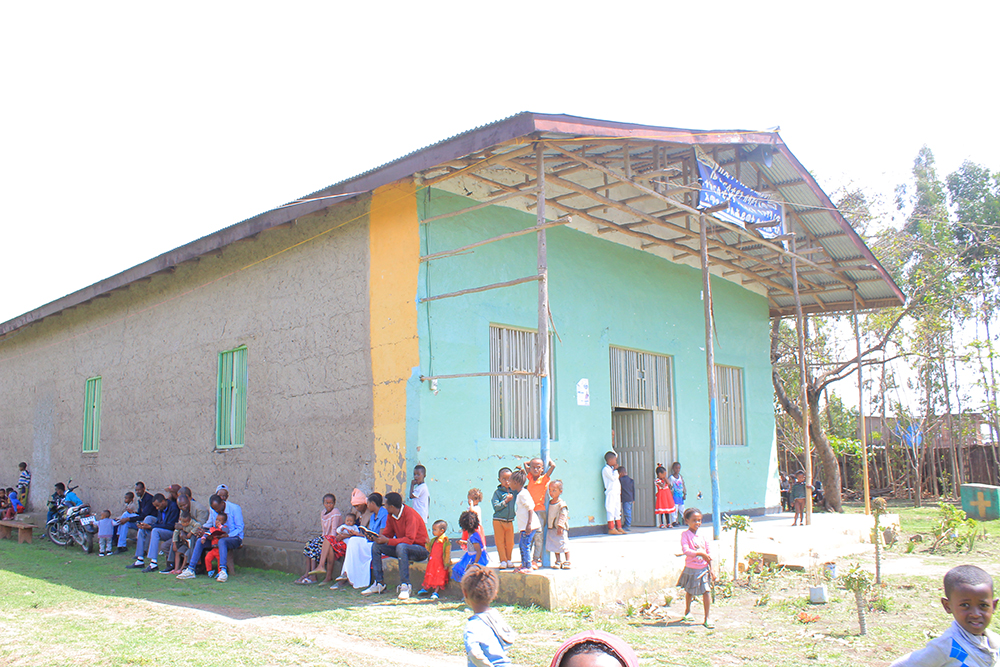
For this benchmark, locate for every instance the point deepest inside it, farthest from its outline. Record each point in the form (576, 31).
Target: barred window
(729, 384)
(514, 399)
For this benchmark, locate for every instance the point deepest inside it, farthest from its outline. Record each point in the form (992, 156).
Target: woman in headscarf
(595, 648)
(358, 560)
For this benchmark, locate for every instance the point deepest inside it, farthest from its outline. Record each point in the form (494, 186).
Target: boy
(969, 598)
(419, 493)
(524, 516)
(105, 533)
(628, 497)
(612, 494)
(183, 534)
(23, 482)
(679, 489)
(487, 636)
(557, 540)
(798, 496)
(503, 518)
(537, 484)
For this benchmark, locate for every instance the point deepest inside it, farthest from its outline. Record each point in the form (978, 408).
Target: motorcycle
(71, 524)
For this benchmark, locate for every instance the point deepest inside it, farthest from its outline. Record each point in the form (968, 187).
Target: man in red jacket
(403, 537)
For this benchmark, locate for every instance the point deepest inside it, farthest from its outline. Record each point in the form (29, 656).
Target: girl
(697, 577)
(476, 554)
(330, 519)
(476, 497)
(679, 488)
(439, 561)
(664, 508)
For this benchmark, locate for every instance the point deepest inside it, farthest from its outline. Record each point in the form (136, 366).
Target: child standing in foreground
(679, 490)
(438, 562)
(487, 636)
(612, 494)
(798, 495)
(105, 533)
(664, 507)
(697, 577)
(503, 518)
(557, 539)
(419, 493)
(628, 497)
(537, 483)
(476, 546)
(969, 598)
(524, 516)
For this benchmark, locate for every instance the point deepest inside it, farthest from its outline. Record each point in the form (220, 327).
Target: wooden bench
(23, 530)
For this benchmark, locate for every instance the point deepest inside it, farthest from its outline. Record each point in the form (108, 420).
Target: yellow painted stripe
(394, 245)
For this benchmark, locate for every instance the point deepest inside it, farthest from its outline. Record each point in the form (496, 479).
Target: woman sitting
(329, 520)
(358, 561)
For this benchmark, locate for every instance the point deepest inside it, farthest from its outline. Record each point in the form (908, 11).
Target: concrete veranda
(611, 568)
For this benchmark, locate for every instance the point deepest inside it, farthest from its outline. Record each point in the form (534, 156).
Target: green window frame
(92, 415)
(231, 399)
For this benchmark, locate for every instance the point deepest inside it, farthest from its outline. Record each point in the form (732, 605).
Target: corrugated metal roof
(819, 218)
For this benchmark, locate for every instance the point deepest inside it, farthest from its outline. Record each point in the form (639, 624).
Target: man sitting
(403, 537)
(145, 508)
(153, 530)
(233, 529)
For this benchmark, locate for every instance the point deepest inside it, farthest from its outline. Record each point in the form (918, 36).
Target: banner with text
(745, 205)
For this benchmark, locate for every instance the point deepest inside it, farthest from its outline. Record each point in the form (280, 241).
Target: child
(557, 539)
(628, 497)
(697, 577)
(23, 482)
(15, 502)
(612, 494)
(664, 508)
(319, 549)
(131, 510)
(969, 641)
(419, 493)
(105, 533)
(476, 555)
(349, 528)
(524, 516)
(7, 511)
(679, 489)
(798, 495)
(503, 518)
(476, 497)
(537, 484)
(487, 636)
(211, 542)
(438, 562)
(184, 531)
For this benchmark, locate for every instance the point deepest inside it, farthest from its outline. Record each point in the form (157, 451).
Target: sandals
(565, 565)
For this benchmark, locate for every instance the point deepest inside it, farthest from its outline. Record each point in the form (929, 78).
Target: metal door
(634, 444)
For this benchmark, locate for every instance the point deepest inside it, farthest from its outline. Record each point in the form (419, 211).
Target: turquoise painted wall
(601, 294)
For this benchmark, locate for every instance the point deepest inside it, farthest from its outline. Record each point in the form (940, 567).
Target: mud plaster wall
(303, 315)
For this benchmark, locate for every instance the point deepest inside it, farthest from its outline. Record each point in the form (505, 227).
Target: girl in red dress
(665, 507)
(439, 562)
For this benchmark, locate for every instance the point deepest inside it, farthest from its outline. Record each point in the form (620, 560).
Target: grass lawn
(60, 606)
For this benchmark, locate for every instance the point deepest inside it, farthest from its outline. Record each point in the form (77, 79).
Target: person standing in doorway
(679, 489)
(612, 494)
(628, 497)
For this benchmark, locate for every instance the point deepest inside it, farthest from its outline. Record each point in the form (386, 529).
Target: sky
(129, 129)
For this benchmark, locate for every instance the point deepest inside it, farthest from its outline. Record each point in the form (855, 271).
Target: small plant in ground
(584, 611)
(629, 610)
(858, 581)
(667, 599)
(880, 600)
(736, 522)
(724, 585)
(954, 528)
(879, 508)
(762, 600)
(806, 617)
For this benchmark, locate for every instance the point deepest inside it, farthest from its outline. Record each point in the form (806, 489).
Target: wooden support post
(713, 406)
(799, 326)
(862, 427)
(542, 362)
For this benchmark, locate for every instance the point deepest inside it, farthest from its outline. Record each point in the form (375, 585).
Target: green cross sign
(981, 501)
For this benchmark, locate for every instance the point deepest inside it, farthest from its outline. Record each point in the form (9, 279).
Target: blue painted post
(713, 408)
(542, 357)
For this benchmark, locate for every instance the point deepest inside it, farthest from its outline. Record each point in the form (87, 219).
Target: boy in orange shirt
(537, 485)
